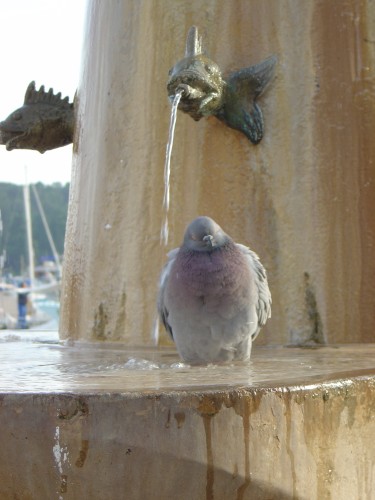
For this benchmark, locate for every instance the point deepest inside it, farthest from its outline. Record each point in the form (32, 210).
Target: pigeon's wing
(164, 276)
(263, 306)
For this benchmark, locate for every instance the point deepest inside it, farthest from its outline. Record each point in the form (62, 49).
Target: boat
(39, 296)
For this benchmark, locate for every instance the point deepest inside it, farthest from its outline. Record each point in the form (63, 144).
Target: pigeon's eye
(17, 115)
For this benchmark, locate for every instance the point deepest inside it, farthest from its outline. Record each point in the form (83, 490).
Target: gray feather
(162, 310)
(213, 296)
(264, 303)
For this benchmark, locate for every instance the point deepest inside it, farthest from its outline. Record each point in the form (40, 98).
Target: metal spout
(205, 92)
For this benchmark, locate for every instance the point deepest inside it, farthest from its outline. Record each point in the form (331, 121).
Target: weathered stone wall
(311, 443)
(304, 198)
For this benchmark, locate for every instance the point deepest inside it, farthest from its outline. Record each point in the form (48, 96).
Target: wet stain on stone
(289, 446)
(328, 404)
(168, 422)
(246, 403)
(210, 475)
(121, 317)
(100, 323)
(80, 462)
(316, 335)
(208, 407)
(73, 408)
(63, 483)
(180, 419)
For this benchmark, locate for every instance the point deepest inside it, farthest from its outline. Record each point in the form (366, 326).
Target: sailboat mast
(47, 229)
(3, 253)
(29, 232)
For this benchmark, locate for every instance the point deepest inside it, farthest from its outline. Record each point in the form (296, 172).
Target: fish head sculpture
(44, 122)
(231, 98)
(23, 126)
(199, 80)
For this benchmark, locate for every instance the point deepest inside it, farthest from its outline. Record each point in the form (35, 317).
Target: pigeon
(213, 296)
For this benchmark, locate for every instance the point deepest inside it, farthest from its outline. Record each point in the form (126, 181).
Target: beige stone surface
(304, 198)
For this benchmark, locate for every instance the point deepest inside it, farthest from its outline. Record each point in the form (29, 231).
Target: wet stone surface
(36, 362)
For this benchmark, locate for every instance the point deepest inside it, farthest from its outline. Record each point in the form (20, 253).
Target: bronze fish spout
(205, 92)
(44, 122)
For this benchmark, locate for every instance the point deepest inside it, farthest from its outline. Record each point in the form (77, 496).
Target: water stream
(164, 232)
(167, 169)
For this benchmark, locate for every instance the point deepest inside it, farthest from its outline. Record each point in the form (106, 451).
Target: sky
(40, 40)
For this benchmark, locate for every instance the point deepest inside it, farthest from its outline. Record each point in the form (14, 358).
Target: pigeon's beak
(209, 240)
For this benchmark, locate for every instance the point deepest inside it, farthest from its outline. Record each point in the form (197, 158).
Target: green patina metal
(206, 92)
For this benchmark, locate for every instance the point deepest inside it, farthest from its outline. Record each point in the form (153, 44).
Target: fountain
(106, 414)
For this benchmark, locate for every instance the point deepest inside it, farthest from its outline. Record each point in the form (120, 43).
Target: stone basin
(39, 362)
(103, 421)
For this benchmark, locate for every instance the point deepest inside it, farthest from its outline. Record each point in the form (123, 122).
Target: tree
(54, 199)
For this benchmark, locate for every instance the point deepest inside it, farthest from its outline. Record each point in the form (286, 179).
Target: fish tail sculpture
(45, 121)
(204, 91)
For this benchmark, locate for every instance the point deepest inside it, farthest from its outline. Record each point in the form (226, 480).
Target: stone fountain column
(304, 198)
(293, 423)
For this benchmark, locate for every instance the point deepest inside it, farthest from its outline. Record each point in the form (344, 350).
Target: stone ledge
(77, 423)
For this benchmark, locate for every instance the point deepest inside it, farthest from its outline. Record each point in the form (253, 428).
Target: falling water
(167, 172)
(167, 168)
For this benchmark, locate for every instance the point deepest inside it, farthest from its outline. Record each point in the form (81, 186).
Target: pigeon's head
(204, 235)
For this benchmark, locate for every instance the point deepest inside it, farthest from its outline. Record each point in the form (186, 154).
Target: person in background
(22, 307)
